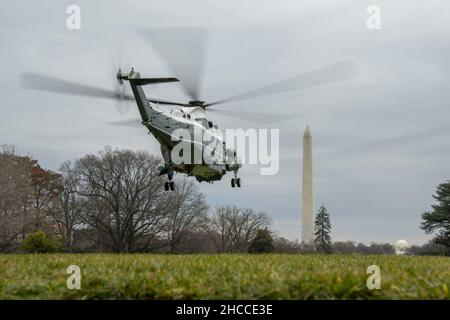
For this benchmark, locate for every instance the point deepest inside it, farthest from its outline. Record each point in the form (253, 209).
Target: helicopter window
(210, 124)
(188, 116)
(202, 121)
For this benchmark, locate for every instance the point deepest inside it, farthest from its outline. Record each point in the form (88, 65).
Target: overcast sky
(381, 140)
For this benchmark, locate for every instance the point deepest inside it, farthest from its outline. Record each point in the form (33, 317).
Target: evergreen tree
(322, 229)
(438, 220)
(262, 242)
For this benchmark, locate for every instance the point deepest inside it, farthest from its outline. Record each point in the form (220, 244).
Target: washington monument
(308, 189)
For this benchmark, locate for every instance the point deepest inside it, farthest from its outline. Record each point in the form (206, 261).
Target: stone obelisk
(308, 189)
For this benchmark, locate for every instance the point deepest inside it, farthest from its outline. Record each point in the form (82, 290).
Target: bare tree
(14, 190)
(232, 228)
(17, 211)
(43, 199)
(245, 225)
(68, 214)
(124, 198)
(188, 210)
(218, 229)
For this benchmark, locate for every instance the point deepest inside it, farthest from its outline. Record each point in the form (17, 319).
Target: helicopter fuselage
(164, 125)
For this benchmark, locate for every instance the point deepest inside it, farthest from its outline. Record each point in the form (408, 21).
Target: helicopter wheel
(172, 185)
(238, 182)
(166, 186)
(233, 182)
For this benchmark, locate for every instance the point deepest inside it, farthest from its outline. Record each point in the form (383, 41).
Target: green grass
(148, 276)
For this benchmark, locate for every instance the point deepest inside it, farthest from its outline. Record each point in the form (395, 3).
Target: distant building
(402, 247)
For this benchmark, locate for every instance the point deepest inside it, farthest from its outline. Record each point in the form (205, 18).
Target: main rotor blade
(248, 116)
(169, 103)
(183, 49)
(132, 123)
(335, 72)
(255, 116)
(36, 81)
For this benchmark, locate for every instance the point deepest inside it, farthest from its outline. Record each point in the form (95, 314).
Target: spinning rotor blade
(132, 123)
(255, 116)
(45, 83)
(332, 73)
(183, 50)
(117, 64)
(169, 103)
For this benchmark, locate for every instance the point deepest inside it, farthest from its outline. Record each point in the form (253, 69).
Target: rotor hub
(196, 103)
(119, 77)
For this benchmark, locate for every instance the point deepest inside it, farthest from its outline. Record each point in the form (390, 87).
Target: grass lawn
(277, 276)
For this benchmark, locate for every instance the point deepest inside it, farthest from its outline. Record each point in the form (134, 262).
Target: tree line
(113, 201)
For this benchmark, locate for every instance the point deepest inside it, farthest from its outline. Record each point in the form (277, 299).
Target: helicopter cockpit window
(210, 124)
(202, 121)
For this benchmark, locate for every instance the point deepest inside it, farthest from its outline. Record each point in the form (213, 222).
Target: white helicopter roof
(195, 112)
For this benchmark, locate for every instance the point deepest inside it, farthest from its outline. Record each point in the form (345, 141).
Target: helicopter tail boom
(134, 77)
(145, 81)
(136, 83)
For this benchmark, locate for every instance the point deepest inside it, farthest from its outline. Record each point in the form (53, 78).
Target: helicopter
(162, 123)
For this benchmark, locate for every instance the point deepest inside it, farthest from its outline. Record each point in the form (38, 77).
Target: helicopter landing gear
(169, 185)
(235, 182)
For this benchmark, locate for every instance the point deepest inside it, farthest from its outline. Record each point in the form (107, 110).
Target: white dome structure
(401, 247)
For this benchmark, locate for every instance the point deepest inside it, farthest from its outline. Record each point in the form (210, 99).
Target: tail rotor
(123, 105)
